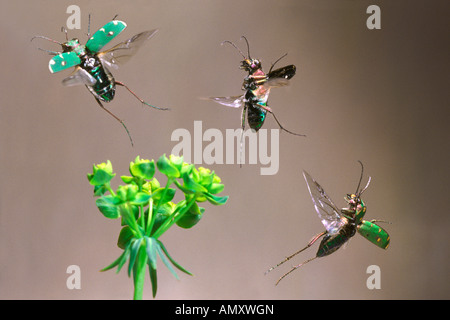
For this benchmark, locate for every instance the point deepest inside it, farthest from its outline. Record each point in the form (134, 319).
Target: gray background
(380, 96)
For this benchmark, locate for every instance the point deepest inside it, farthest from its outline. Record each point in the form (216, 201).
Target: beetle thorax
(360, 211)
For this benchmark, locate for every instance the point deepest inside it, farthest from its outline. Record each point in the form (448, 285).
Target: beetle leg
(244, 110)
(282, 128)
(115, 117)
(137, 97)
(311, 242)
(294, 268)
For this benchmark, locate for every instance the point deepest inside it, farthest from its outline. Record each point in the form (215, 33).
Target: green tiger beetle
(340, 225)
(91, 64)
(257, 87)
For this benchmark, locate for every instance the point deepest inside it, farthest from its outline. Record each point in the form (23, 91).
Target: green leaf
(206, 177)
(192, 185)
(176, 264)
(100, 190)
(151, 250)
(127, 179)
(144, 169)
(165, 261)
(167, 168)
(102, 174)
(125, 236)
(186, 168)
(216, 188)
(154, 184)
(170, 193)
(120, 260)
(124, 257)
(191, 217)
(127, 193)
(183, 188)
(107, 206)
(151, 254)
(164, 212)
(176, 161)
(135, 245)
(216, 200)
(141, 198)
(125, 211)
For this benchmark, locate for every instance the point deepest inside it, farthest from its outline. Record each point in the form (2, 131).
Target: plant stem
(139, 274)
(150, 219)
(173, 218)
(111, 191)
(127, 213)
(150, 210)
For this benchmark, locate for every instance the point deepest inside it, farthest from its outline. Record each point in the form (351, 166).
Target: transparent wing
(122, 52)
(79, 77)
(324, 206)
(275, 83)
(234, 101)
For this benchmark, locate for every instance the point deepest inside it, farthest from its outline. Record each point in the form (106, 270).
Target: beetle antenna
(368, 182)
(48, 39)
(65, 31)
(248, 46)
(360, 178)
(273, 64)
(89, 26)
(227, 41)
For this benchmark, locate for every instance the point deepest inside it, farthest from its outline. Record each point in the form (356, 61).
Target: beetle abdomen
(105, 86)
(255, 117)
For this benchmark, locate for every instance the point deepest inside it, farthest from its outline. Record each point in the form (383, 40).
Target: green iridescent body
(332, 242)
(340, 225)
(257, 85)
(368, 229)
(374, 233)
(96, 76)
(91, 65)
(256, 110)
(105, 86)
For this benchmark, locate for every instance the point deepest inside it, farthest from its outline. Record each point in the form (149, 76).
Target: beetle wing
(63, 61)
(104, 35)
(79, 77)
(279, 77)
(286, 72)
(275, 83)
(374, 233)
(122, 52)
(325, 208)
(234, 101)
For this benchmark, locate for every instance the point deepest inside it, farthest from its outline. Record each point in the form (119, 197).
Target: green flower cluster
(147, 209)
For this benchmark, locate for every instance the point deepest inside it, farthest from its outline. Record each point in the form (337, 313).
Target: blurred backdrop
(379, 96)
